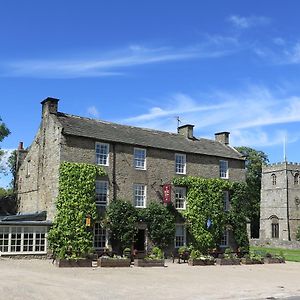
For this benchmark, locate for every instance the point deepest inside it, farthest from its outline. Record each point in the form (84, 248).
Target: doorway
(140, 240)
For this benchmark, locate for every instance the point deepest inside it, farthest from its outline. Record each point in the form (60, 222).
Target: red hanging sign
(167, 193)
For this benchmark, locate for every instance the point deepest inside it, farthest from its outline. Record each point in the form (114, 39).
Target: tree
(4, 132)
(254, 161)
(12, 165)
(160, 223)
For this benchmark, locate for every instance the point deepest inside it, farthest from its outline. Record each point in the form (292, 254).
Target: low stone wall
(275, 243)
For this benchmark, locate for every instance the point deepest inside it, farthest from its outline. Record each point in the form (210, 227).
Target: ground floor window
(275, 231)
(225, 239)
(180, 235)
(18, 239)
(100, 236)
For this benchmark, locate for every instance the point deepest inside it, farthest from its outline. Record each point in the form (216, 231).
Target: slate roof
(112, 132)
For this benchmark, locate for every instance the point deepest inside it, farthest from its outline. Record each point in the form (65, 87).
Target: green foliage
(122, 222)
(4, 132)
(195, 254)
(156, 253)
(183, 249)
(12, 165)
(160, 223)
(205, 201)
(69, 237)
(254, 161)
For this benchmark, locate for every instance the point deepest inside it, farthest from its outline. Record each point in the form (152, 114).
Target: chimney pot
(20, 146)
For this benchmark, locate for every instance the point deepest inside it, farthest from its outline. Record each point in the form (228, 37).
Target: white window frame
(101, 203)
(226, 200)
(223, 169)
(180, 190)
(98, 155)
(180, 167)
(224, 243)
(105, 234)
(23, 230)
(183, 237)
(137, 159)
(136, 188)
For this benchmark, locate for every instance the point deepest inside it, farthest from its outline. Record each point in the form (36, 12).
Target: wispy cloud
(247, 22)
(115, 62)
(249, 114)
(93, 111)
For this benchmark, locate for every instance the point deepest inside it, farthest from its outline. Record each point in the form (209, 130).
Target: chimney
(21, 154)
(186, 130)
(20, 146)
(222, 137)
(49, 106)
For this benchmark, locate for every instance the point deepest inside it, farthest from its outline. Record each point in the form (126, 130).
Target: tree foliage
(69, 237)
(205, 201)
(254, 161)
(4, 132)
(160, 223)
(122, 220)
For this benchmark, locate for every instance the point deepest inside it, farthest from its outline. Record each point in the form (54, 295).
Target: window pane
(139, 158)
(99, 236)
(101, 192)
(223, 169)
(102, 151)
(179, 236)
(139, 195)
(180, 194)
(180, 163)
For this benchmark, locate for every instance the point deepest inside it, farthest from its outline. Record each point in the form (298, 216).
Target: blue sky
(221, 65)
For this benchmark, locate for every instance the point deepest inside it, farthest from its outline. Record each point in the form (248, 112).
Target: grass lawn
(289, 254)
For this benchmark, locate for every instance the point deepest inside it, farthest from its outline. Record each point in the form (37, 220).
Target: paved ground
(39, 279)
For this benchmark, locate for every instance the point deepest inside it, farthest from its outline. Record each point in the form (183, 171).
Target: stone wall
(160, 166)
(38, 174)
(276, 243)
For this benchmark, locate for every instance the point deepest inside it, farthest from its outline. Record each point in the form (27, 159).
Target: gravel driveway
(39, 279)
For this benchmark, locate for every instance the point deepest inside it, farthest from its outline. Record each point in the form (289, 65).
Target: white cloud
(250, 115)
(93, 112)
(113, 63)
(247, 22)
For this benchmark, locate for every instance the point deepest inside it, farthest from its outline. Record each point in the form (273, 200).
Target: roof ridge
(118, 124)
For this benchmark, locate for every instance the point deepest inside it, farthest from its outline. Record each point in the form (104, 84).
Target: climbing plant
(160, 224)
(69, 236)
(205, 203)
(121, 220)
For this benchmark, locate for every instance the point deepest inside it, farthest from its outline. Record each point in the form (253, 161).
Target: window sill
(140, 169)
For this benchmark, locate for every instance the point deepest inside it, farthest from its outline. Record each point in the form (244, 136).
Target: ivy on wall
(69, 237)
(205, 201)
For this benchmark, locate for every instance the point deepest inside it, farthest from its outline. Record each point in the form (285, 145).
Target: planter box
(274, 260)
(227, 261)
(106, 262)
(149, 262)
(73, 263)
(200, 262)
(248, 261)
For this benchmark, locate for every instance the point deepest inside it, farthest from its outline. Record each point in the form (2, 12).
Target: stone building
(139, 163)
(280, 202)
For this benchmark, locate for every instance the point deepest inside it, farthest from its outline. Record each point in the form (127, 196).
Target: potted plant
(198, 259)
(154, 259)
(183, 254)
(228, 258)
(252, 258)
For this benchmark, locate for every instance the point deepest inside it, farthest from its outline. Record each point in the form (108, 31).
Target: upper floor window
(180, 196)
(223, 169)
(101, 192)
(140, 158)
(273, 179)
(226, 200)
(139, 195)
(180, 235)
(296, 178)
(180, 163)
(102, 154)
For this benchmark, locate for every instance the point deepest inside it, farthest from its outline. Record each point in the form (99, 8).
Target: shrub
(156, 253)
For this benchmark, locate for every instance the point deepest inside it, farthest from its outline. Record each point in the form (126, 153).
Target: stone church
(280, 202)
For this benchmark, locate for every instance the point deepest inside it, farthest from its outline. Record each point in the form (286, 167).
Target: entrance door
(139, 243)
